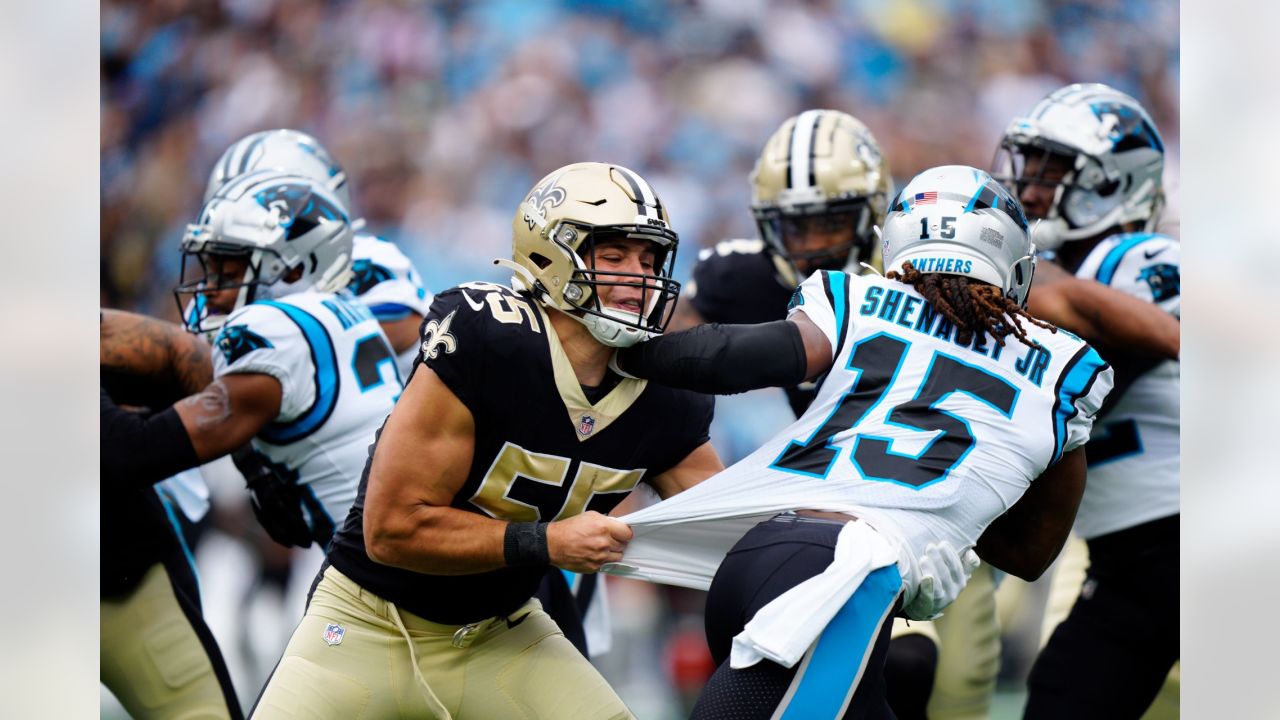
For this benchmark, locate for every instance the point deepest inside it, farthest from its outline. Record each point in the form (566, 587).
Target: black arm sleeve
(140, 450)
(721, 359)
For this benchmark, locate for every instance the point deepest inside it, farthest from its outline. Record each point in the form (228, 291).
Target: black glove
(282, 507)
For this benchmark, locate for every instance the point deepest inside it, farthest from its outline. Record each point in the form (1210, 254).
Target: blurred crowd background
(445, 112)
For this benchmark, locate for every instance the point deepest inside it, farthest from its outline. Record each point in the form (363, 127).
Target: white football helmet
(957, 220)
(1112, 152)
(282, 225)
(286, 150)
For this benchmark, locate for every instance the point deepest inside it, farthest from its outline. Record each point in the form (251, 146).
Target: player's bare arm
(1026, 539)
(229, 412)
(697, 466)
(421, 463)
(174, 362)
(817, 348)
(402, 333)
(1113, 322)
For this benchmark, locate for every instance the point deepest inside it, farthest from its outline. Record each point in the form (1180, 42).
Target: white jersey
(385, 280)
(339, 381)
(923, 438)
(1134, 466)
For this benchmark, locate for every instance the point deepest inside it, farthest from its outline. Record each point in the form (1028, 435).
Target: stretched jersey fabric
(384, 279)
(737, 282)
(543, 450)
(1134, 465)
(923, 438)
(339, 382)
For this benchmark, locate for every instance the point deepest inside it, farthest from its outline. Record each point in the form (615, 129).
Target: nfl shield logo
(586, 425)
(333, 634)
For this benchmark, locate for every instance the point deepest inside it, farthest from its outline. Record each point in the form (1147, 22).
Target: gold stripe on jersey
(601, 414)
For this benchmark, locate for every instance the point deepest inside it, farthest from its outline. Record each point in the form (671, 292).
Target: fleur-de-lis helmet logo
(540, 200)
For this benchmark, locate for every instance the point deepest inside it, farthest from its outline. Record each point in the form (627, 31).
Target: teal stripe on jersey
(1107, 270)
(837, 287)
(177, 530)
(325, 360)
(1076, 380)
(838, 659)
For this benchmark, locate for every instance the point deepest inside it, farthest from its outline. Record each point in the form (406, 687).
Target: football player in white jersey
(1087, 163)
(300, 368)
(931, 427)
(382, 277)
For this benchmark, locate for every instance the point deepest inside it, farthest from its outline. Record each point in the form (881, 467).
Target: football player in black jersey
(158, 656)
(819, 187)
(511, 440)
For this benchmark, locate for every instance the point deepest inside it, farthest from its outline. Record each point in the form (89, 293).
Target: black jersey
(542, 450)
(737, 282)
(136, 531)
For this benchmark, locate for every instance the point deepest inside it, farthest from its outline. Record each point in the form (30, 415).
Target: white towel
(785, 628)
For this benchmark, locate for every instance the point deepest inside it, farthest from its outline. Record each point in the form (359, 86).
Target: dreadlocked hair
(970, 305)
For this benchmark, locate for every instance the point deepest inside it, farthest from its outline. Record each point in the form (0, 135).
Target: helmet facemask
(609, 324)
(1099, 154)
(291, 236)
(781, 226)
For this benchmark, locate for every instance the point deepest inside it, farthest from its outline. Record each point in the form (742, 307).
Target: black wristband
(525, 544)
(721, 359)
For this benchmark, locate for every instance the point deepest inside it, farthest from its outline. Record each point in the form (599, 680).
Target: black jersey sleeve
(452, 341)
(738, 287)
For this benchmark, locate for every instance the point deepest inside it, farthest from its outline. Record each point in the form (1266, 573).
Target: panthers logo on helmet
(300, 209)
(1165, 281)
(549, 195)
(236, 341)
(1130, 130)
(365, 274)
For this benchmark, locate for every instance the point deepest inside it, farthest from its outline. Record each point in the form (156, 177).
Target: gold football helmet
(554, 235)
(819, 187)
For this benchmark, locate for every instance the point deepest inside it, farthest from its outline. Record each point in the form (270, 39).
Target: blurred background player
(157, 655)
(299, 366)
(1087, 163)
(511, 439)
(896, 375)
(381, 276)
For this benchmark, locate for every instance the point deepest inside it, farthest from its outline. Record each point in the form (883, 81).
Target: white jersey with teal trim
(924, 438)
(339, 381)
(1134, 465)
(384, 279)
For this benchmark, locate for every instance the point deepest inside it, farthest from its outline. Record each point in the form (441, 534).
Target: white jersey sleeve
(261, 338)
(385, 280)
(824, 298)
(1145, 265)
(1081, 391)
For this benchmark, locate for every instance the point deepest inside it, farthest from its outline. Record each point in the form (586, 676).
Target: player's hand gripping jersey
(1134, 454)
(497, 353)
(385, 280)
(924, 439)
(339, 382)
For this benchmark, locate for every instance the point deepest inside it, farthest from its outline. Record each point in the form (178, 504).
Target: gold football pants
(155, 661)
(356, 655)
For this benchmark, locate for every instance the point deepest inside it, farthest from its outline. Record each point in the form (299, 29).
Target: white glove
(943, 574)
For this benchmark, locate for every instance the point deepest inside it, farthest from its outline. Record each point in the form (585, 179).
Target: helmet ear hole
(542, 261)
